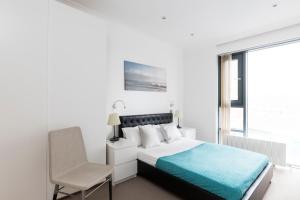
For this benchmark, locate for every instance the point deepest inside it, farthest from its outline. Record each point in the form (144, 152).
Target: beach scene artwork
(141, 77)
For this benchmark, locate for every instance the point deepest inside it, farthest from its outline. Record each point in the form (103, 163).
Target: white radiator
(274, 150)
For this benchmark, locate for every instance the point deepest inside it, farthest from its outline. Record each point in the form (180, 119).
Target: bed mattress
(151, 155)
(222, 170)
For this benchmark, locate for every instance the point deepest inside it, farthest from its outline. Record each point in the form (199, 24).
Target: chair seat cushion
(85, 176)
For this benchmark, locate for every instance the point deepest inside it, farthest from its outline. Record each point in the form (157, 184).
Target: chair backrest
(66, 151)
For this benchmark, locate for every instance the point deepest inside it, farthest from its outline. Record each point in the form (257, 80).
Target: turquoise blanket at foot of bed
(225, 171)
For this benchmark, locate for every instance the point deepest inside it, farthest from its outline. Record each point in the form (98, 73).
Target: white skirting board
(274, 150)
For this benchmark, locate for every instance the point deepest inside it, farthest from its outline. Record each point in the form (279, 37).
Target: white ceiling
(211, 21)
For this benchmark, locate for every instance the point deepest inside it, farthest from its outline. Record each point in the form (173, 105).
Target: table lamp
(177, 115)
(113, 120)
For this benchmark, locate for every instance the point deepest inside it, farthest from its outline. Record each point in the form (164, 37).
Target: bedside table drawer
(124, 171)
(123, 155)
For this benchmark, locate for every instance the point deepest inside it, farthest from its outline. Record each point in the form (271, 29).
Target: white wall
(23, 99)
(201, 91)
(271, 37)
(86, 73)
(201, 78)
(128, 44)
(77, 76)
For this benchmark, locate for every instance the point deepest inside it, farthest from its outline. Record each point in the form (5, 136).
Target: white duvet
(150, 155)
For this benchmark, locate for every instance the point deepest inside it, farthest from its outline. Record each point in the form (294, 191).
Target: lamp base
(114, 139)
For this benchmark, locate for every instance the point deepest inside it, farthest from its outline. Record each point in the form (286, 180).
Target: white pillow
(170, 132)
(159, 132)
(149, 136)
(133, 134)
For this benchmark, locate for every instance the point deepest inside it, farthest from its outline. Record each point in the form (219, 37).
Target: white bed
(150, 155)
(147, 160)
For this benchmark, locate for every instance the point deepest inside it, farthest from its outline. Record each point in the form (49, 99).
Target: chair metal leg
(55, 192)
(110, 188)
(83, 195)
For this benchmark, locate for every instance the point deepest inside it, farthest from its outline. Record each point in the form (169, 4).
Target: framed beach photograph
(140, 77)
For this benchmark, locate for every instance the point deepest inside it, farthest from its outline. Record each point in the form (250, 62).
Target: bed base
(189, 191)
(260, 186)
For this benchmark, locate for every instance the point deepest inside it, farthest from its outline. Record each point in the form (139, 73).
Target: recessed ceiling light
(274, 5)
(192, 34)
(163, 17)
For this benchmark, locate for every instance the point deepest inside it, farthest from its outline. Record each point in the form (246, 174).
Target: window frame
(242, 88)
(241, 56)
(241, 76)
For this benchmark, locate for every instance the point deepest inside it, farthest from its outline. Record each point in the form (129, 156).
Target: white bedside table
(122, 155)
(188, 132)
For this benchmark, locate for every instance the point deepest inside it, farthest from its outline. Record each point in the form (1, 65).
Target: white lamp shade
(177, 114)
(113, 119)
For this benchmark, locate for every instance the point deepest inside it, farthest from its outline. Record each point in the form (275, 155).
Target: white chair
(69, 166)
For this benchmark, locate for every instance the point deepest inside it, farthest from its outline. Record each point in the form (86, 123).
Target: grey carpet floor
(285, 185)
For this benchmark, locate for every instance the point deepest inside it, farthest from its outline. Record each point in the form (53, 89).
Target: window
(237, 90)
(274, 96)
(237, 85)
(265, 95)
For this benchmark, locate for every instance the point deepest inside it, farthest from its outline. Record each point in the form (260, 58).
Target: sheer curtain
(225, 95)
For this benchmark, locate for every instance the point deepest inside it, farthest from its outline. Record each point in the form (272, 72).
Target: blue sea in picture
(141, 77)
